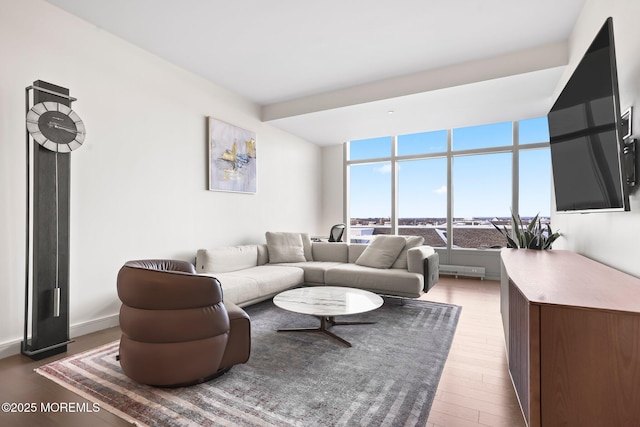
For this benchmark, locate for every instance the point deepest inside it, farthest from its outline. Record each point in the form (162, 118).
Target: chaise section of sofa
(410, 281)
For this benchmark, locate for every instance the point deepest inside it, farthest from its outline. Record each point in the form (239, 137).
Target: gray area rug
(388, 378)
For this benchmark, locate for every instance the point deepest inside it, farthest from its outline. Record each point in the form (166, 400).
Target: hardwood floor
(20, 385)
(475, 389)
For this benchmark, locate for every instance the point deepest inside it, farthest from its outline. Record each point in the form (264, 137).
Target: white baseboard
(11, 348)
(95, 325)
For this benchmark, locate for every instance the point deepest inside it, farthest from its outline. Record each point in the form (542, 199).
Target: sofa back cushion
(288, 247)
(355, 250)
(263, 254)
(330, 251)
(382, 251)
(225, 259)
(411, 242)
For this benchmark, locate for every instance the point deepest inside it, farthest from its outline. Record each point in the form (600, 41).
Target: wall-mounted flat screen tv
(585, 134)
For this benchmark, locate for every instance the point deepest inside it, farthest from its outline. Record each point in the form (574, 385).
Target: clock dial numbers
(56, 127)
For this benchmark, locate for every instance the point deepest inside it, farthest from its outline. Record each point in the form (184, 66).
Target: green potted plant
(532, 236)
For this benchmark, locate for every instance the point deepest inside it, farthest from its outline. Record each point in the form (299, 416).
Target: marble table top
(327, 300)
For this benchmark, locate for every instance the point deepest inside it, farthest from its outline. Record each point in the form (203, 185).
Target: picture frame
(232, 157)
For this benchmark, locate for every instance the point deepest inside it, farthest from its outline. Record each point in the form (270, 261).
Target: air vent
(462, 270)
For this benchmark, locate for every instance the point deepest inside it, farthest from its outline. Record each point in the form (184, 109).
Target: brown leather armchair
(176, 330)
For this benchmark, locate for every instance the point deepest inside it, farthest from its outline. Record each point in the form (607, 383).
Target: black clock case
(47, 248)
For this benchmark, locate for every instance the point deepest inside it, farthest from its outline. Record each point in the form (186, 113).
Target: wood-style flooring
(475, 389)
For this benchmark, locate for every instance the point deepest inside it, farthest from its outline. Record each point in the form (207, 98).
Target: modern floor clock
(53, 131)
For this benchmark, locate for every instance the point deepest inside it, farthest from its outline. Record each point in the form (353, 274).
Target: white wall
(139, 184)
(610, 238)
(332, 190)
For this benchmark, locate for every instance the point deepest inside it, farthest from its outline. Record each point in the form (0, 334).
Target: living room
(139, 185)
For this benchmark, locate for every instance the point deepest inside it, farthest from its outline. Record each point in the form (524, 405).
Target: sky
(481, 183)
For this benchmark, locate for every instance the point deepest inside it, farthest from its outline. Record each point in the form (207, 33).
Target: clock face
(56, 127)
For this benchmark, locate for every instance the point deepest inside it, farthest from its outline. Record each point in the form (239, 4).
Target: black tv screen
(585, 137)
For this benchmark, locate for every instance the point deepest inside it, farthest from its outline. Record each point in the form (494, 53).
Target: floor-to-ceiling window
(370, 186)
(422, 186)
(449, 186)
(481, 195)
(422, 199)
(534, 185)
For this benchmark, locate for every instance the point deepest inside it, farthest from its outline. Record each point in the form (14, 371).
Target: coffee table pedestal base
(327, 322)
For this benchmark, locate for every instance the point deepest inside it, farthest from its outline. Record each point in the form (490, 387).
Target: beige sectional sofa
(390, 265)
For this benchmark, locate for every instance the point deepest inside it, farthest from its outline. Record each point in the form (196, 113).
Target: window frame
(515, 149)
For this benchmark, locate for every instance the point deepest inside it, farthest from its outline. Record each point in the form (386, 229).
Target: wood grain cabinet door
(590, 367)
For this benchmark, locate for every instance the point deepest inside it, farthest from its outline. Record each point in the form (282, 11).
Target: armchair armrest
(426, 261)
(239, 341)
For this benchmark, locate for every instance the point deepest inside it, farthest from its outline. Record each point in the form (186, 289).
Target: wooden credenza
(572, 329)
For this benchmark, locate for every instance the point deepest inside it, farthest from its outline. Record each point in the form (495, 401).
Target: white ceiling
(330, 70)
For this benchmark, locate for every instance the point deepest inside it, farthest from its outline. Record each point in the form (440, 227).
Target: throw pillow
(382, 251)
(411, 242)
(285, 247)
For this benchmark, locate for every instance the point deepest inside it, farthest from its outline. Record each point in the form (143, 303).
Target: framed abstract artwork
(232, 158)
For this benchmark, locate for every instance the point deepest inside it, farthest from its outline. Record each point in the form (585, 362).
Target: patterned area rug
(388, 378)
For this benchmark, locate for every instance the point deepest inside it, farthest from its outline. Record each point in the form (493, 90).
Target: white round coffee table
(326, 302)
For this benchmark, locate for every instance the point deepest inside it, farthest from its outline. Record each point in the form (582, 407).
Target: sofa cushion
(272, 279)
(263, 254)
(391, 281)
(314, 271)
(237, 289)
(252, 284)
(307, 244)
(330, 251)
(382, 251)
(355, 250)
(411, 242)
(288, 247)
(224, 259)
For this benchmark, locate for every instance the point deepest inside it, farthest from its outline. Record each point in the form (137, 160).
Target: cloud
(386, 168)
(441, 190)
